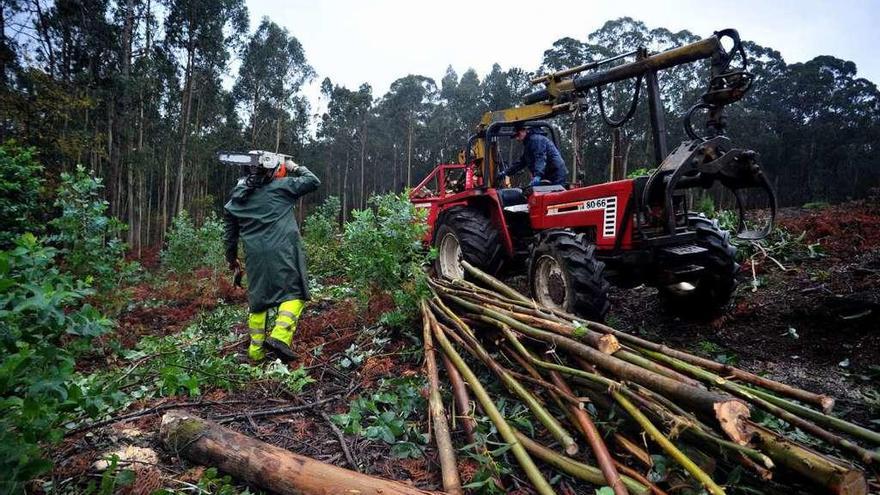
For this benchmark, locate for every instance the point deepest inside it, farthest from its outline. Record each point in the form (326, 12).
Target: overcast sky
(353, 41)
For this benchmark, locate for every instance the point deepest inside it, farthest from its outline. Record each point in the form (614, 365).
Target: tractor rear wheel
(711, 290)
(564, 274)
(466, 233)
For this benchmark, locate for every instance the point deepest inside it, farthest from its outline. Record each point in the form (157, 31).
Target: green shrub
(188, 247)
(781, 244)
(90, 241)
(321, 235)
(382, 248)
(43, 326)
(21, 186)
(640, 172)
(390, 414)
(706, 206)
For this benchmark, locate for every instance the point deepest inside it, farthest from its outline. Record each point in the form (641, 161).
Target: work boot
(280, 348)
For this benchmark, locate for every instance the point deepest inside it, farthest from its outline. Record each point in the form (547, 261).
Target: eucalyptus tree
(272, 73)
(204, 31)
(343, 131)
(406, 109)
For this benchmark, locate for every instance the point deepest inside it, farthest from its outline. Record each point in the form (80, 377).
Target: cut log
(263, 465)
(835, 477)
(608, 344)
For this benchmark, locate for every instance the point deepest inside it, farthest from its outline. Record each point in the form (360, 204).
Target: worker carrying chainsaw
(541, 157)
(260, 212)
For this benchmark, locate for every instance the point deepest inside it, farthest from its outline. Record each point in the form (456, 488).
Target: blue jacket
(542, 158)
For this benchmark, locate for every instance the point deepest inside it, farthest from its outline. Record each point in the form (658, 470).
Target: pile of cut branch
(574, 374)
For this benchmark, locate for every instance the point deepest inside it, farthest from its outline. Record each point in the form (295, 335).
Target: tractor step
(524, 208)
(684, 250)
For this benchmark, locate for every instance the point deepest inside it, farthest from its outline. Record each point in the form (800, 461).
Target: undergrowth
(391, 414)
(382, 250)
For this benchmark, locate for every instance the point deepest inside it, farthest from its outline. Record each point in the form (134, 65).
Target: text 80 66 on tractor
(627, 232)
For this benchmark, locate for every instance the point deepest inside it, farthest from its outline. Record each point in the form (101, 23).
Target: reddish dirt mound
(842, 230)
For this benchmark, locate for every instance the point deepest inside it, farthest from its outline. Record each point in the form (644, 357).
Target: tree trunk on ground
(445, 449)
(263, 465)
(838, 479)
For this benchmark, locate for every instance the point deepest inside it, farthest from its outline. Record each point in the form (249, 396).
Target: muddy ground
(815, 324)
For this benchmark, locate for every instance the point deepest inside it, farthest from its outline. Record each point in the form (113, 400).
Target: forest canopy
(138, 92)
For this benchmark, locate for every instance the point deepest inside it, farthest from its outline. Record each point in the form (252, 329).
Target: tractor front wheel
(466, 233)
(564, 274)
(709, 293)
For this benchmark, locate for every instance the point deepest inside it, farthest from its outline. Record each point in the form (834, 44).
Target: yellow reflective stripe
(258, 339)
(283, 324)
(287, 314)
(257, 331)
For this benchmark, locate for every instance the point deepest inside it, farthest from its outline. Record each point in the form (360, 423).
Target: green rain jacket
(274, 260)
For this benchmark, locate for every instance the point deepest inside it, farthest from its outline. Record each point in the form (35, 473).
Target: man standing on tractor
(260, 211)
(541, 157)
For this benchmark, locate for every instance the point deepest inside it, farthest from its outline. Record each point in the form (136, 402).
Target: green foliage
(188, 247)
(490, 451)
(21, 185)
(44, 324)
(294, 381)
(706, 206)
(185, 363)
(389, 414)
(90, 241)
(211, 483)
(321, 235)
(782, 245)
(112, 479)
(383, 250)
(639, 172)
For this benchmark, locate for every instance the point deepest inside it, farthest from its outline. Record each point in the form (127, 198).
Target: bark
(594, 438)
(462, 400)
(835, 477)
(445, 450)
(263, 465)
(865, 455)
(823, 401)
(495, 283)
(577, 469)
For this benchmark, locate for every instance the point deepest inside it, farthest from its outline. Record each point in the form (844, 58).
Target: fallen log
(263, 465)
(445, 450)
(833, 476)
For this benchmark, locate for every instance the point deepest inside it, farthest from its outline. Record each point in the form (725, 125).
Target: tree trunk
(363, 152)
(838, 479)
(184, 124)
(345, 189)
(409, 155)
(263, 465)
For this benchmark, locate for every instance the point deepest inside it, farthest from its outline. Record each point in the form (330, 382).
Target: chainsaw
(259, 159)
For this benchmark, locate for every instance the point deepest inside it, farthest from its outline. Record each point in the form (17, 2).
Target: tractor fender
(487, 201)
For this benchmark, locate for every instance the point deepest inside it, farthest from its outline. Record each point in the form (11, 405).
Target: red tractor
(574, 242)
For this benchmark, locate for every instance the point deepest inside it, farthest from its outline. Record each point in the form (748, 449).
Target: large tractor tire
(714, 286)
(564, 274)
(466, 233)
